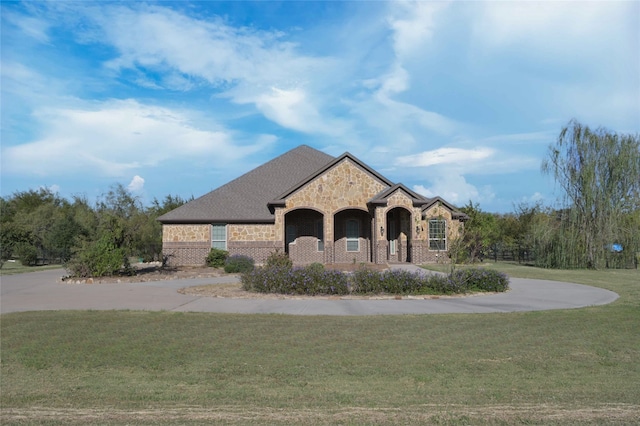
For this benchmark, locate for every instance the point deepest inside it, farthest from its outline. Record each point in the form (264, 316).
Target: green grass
(579, 366)
(11, 268)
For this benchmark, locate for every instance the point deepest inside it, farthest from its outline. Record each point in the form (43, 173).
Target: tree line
(596, 224)
(39, 226)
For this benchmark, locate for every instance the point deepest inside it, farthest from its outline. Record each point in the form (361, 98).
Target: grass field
(10, 268)
(579, 366)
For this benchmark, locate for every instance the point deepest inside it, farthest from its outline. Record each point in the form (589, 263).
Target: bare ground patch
(153, 272)
(423, 414)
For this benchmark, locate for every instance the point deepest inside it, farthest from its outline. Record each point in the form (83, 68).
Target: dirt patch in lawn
(419, 414)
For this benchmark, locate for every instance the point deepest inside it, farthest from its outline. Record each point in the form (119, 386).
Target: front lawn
(11, 268)
(577, 366)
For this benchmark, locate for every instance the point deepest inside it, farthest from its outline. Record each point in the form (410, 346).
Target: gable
(400, 198)
(394, 194)
(344, 183)
(438, 206)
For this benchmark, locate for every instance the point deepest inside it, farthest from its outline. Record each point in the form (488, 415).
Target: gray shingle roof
(246, 198)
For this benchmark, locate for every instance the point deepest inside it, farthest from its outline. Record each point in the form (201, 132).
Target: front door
(398, 235)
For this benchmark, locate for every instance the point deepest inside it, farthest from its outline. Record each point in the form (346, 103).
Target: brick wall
(305, 251)
(341, 255)
(257, 250)
(186, 253)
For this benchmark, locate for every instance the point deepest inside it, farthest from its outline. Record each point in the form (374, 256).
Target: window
(353, 235)
(219, 236)
(320, 235)
(437, 234)
(392, 237)
(291, 233)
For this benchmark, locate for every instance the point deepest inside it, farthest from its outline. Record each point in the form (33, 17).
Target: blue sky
(457, 99)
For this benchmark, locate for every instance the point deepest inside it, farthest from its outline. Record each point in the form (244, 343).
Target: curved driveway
(38, 291)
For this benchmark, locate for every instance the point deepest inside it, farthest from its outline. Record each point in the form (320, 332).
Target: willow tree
(599, 173)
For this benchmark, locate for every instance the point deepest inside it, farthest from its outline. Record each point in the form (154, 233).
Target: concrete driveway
(40, 291)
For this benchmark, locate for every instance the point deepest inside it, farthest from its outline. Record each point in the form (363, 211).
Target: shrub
(480, 279)
(317, 267)
(365, 280)
(238, 263)
(217, 257)
(27, 253)
(315, 280)
(311, 280)
(266, 279)
(97, 259)
(279, 259)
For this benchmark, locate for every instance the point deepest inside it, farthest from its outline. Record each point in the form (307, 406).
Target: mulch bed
(154, 272)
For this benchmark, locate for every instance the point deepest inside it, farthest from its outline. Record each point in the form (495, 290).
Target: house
(316, 208)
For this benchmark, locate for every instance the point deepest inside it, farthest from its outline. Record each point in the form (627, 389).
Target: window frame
(351, 239)
(393, 240)
(441, 234)
(320, 234)
(214, 240)
(290, 230)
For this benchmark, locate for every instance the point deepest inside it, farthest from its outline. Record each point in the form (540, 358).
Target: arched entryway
(304, 236)
(398, 235)
(352, 236)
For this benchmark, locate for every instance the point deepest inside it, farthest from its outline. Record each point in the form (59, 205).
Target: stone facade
(186, 233)
(346, 187)
(247, 232)
(311, 224)
(186, 245)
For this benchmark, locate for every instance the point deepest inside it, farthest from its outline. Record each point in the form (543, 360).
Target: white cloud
(552, 27)
(136, 184)
(246, 65)
(390, 110)
(291, 109)
(438, 156)
(413, 24)
(455, 189)
(31, 26)
(115, 137)
(534, 198)
(583, 58)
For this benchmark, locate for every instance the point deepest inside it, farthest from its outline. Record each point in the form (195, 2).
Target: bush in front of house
(278, 259)
(480, 279)
(238, 263)
(217, 257)
(367, 281)
(315, 280)
(310, 280)
(99, 259)
(266, 279)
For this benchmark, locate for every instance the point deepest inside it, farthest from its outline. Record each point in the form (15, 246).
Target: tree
(27, 218)
(599, 173)
(480, 231)
(149, 239)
